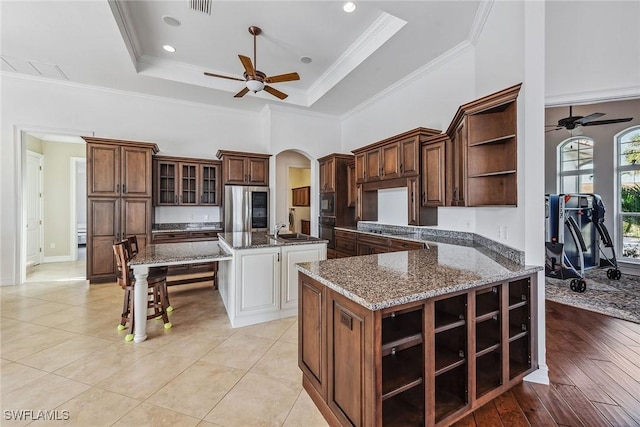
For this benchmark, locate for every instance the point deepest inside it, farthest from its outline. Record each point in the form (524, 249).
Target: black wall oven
(327, 232)
(328, 204)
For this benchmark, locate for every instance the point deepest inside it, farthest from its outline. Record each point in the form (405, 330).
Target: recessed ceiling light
(169, 48)
(170, 20)
(305, 59)
(349, 7)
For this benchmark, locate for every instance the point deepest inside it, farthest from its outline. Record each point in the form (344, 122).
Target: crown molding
(479, 21)
(433, 65)
(595, 97)
(129, 36)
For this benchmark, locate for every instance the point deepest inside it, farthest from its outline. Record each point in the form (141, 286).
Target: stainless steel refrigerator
(246, 208)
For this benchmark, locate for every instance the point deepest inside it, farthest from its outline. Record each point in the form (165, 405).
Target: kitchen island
(260, 282)
(417, 337)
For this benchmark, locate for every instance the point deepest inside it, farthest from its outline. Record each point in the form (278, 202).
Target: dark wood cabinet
(484, 151)
(240, 168)
(368, 244)
(346, 245)
(119, 191)
(359, 161)
(434, 166)
(183, 181)
(428, 362)
(327, 174)
(301, 196)
(334, 179)
(351, 183)
(305, 226)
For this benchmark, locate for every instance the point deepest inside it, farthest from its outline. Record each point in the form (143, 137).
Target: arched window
(575, 168)
(628, 188)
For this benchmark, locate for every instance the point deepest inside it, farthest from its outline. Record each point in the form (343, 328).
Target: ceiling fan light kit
(254, 79)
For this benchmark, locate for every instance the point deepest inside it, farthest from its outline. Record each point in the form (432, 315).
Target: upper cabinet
(118, 168)
(301, 196)
(395, 157)
(327, 166)
(433, 158)
(484, 151)
(334, 178)
(351, 183)
(239, 168)
(186, 182)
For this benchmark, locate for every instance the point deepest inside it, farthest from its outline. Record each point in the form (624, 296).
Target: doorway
(294, 170)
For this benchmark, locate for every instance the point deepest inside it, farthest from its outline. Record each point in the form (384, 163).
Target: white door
(33, 199)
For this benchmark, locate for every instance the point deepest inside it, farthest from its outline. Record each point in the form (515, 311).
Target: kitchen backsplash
(182, 214)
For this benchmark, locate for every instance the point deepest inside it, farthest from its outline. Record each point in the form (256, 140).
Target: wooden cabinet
(345, 243)
(301, 196)
(368, 244)
(351, 183)
(413, 200)
(305, 226)
(186, 182)
(433, 177)
(391, 158)
(119, 191)
(241, 168)
(327, 174)
(428, 362)
(484, 151)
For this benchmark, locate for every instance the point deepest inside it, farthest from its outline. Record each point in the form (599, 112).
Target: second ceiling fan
(255, 80)
(572, 121)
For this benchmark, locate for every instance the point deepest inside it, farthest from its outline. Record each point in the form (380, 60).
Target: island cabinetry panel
(429, 362)
(119, 191)
(257, 266)
(290, 256)
(240, 168)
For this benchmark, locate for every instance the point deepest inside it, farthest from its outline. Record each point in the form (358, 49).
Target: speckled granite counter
(386, 280)
(179, 253)
(247, 240)
(186, 226)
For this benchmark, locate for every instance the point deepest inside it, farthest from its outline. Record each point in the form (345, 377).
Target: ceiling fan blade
(242, 93)
(589, 118)
(551, 130)
(224, 77)
(275, 92)
(608, 122)
(282, 78)
(248, 65)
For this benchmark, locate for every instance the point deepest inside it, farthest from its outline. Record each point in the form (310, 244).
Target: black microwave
(328, 204)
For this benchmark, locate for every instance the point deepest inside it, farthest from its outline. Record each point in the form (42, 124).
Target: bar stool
(132, 247)
(155, 292)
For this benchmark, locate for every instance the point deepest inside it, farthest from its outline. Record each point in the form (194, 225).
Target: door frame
(40, 159)
(74, 165)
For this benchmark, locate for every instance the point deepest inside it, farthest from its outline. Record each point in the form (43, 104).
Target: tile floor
(61, 350)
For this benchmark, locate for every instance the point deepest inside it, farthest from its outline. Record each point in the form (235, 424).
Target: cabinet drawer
(404, 245)
(201, 267)
(346, 235)
(373, 240)
(209, 235)
(169, 237)
(348, 246)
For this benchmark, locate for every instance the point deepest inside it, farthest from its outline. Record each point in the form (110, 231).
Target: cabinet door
(136, 218)
(290, 256)
(360, 168)
(373, 166)
(413, 196)
(189, 178)
(390, 161)
(166, 183)
(459, 148)
(136, 172)
(234, 170)
(257, 171)
(103, 232)
(103, 170)
(327, 176)
(210, 185)
(312, 350)
(351, 185)
(359, 208)
(258, 279)
(409, 156)
(433, 174)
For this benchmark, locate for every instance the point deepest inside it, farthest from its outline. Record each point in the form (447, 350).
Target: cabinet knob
(175, 198)
(124, 188)
(118, 188)
(423, 197)
(249, 177)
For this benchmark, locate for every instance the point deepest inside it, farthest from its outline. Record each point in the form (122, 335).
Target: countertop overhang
(254, 240)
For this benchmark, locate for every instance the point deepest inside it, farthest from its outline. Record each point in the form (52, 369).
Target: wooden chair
(156, 296)
(132, 247)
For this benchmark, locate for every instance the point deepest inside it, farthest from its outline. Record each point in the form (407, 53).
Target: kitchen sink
(294, 237)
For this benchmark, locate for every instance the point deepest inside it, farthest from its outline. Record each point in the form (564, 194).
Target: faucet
(278, 228)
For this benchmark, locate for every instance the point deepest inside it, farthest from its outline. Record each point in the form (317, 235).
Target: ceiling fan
(572, 121)
(255, 80)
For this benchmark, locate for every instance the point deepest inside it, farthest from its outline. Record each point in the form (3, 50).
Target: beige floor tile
(95, 407)
(281, 361)
(15, 375)
(31, 344)
(291, 334)
(146, 375)
(207, 424)
(270, 330)
(154, 416)
(239, 351)
(15, 329)
(198, 389)
(69, 314)
(34, 312)
(255, 401)
(305, 413)
(48, 393)
(64, 353)
(100, 365)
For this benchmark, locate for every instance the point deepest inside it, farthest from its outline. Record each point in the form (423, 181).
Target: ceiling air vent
(203, 6)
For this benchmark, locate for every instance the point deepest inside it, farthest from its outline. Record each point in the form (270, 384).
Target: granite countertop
(186, 226)
(252, 240)
(402, 235)
(395, 278)
(179, 253)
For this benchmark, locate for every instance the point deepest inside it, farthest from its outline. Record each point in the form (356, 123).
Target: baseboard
(540, 375)
(64, 258)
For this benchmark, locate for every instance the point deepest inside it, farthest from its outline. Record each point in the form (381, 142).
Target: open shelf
(487, 302)
(402, 371)
(493, 140)
(450, 313)
(396, 326)
(402, 344)
(519, 359)
(493, 124)
(451, 391)
(519, 292)
(519, 321)
(450, 348)
(488, 372)
(498, 173)
(404, 409)
(487, 335)
(492, 190)
(448, 359)
(492, 158)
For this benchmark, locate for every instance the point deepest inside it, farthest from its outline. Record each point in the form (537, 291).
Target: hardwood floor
(594, 370)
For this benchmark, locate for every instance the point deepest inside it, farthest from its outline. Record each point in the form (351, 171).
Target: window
(575, 169)
(628, 221)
